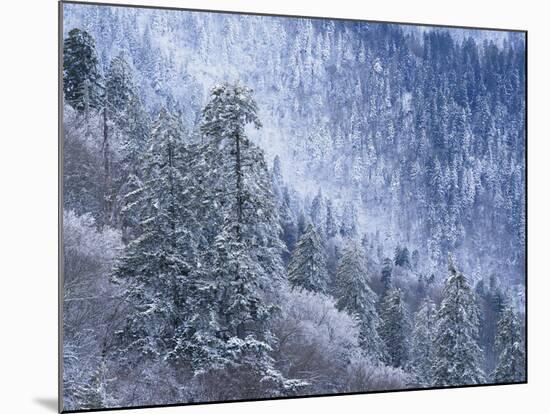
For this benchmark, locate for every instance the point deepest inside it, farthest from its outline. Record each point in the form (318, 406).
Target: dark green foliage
(81, 76)
(401, 257)
(422, 344)
(386, 277)
(510, 348)
(394, 329)
(308, 268)
(458, 357)
(354, 295)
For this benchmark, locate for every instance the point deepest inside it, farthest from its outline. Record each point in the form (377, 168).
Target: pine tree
(401, 257)
(422, 344)
(94, 394)
(81, 76)
(458, 357)
(349, 220)
(289, 227)
(308, 265)
(510, 348)
(119, 87)
(354, 295)
(386, 277)
(331, 227)
(242, 267)
(394, 327)
(156, 265)
(317, 212)
(123, 108)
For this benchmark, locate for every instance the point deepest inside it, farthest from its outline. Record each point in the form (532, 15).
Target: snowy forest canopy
(288, 206)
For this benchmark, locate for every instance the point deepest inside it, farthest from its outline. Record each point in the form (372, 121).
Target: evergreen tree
(119, 88)
(349, 221)
(386, 277)
(331, 227)
(422, 344)
(156, 265)
(241, 180)
(317, 212)
(394, 327)
(308, 267)
(81, 76)
(242, 267)
(94, 394)
(401, 257)
(458, 357)
(289, 227)
(123, 108)
(510, 348)
(354, 296)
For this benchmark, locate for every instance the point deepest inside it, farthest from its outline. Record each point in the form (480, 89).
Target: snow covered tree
(289, 226)
(386, 277)
(458, 357)
(394, 328)
(317, 212)
(422, 344)
(131, 126)
(119, 88)
(401, 257)
(510, 348)
(331, 226)
(155, 267)
(354, 295)
(242, 181)
(308, 265)
(242, 267)
(94, 394)
(349, 220)
(81, 75)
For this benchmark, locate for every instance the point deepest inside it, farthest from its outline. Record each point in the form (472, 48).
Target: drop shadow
(49, 403)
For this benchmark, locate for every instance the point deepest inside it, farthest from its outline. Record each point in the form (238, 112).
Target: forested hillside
(288, 206)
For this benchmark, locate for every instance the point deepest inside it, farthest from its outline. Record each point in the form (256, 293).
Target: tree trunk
(238, 173)
(107, 171)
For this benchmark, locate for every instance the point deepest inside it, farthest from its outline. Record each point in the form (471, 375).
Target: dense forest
(288, 206)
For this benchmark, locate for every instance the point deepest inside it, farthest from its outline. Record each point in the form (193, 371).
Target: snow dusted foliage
(308, 268)
(457, 353)
(81, 74)
(315, 342)
(89, 305)
(354, 295)
(422, 344)
(363, 374)
(156, 265)
(394, 327)
(261, 206)
(510, 348)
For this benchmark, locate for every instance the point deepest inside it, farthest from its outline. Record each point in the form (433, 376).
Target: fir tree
(242, 267)
(510, 348)
(401, 257)
(458, 357)
(94, 394)
(81, 75)
(422, 344)
(394, 327)
(317, 212)
(308, 265)
(156, 265)
(349, 221)
(386, 277)
(331, 227)
(354, 296)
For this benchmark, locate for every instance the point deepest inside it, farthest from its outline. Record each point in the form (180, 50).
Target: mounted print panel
(259, 207)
